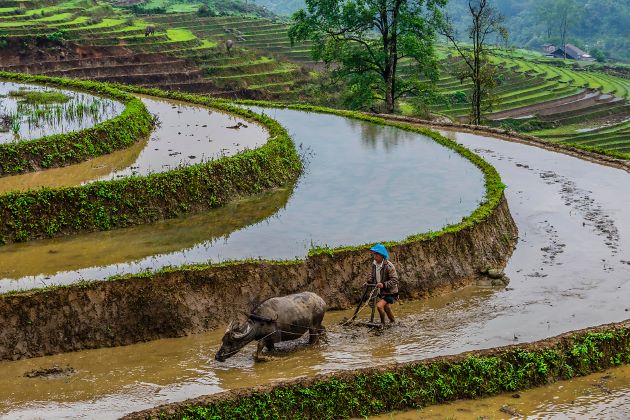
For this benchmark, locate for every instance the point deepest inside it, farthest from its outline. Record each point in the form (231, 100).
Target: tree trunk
(564, 34)
(476, 114)
(389, 94)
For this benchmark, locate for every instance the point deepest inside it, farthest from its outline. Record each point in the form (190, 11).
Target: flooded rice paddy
(185, 135)
(603, 395)
(362, 183)
(21, 120)
(570, 270)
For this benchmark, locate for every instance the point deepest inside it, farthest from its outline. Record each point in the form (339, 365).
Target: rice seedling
(39, 97)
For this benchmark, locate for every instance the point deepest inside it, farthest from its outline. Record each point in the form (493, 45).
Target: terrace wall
(190, 300)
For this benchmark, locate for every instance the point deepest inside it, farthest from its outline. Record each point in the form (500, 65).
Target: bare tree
(565, 9)
(486, 22)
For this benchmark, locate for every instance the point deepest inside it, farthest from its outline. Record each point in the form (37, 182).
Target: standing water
(604, 395)
(363, 183)
(29, 111)
(570, 271)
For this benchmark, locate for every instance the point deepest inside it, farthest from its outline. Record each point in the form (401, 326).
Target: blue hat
(380, 249)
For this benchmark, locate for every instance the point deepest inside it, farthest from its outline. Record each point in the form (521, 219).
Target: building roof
(574, 51)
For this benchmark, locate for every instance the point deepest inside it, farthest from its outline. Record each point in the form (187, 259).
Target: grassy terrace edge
(493, 184)
(105, 205)
(414, 385)
(57, 150)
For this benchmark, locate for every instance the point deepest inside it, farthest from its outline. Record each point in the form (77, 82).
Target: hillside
(597, 26)
(94, 40)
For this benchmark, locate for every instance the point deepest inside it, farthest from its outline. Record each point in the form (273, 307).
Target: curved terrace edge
(131, 125)
(181, 301)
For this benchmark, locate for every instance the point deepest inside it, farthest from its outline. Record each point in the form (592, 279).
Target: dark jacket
(389, 278)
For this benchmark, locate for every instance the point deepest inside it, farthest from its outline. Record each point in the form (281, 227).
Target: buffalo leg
(315, 334)
(259, 348)
(269, 345)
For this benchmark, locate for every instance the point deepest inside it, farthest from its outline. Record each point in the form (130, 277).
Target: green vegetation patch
(415, 385)
(143, 199)
(132, 124)
(40, 98)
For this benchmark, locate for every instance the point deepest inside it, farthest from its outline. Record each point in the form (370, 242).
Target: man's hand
(379, 285)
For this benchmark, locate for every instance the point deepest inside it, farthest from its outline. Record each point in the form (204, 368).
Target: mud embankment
(183, 301)
(369, 391)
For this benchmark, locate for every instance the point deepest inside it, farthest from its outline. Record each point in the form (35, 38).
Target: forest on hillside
(601, 27)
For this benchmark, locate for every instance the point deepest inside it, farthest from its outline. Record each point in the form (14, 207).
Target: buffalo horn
(239, 335)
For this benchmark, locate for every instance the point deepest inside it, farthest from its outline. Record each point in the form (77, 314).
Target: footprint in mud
(53, 372)
(592, 213)
(555, 248)
(536, 274)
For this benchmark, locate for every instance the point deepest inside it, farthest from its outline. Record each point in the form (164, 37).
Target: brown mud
(51, 372)
(181, 302)
(554, 288)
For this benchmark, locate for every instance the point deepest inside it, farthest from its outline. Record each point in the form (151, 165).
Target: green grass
(55, 18)
(180, 35)
(105, 23)
(172, 6)
(39, 97)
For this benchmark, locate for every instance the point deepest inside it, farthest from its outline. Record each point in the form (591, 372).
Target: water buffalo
(228, 44)
(149, 30)
(275, 320)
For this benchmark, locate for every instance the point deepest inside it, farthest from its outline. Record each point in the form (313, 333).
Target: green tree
(486, 22)
(559, 17)
(364, 41)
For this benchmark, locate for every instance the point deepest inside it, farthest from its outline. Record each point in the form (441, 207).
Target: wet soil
(600, 395)
(555, 199)
(50, 372)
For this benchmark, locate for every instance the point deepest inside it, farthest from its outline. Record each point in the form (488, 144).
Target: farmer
(386, 279)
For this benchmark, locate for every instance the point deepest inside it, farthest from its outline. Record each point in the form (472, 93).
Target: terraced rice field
(586, 108)
(197, 61)
(189, 53)
(559, 202)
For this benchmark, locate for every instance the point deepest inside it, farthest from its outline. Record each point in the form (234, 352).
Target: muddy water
(601, 395)
(570, 270)
(103, 248)
(184, 135)
(94, 109)
(75, 174)
(362, 183)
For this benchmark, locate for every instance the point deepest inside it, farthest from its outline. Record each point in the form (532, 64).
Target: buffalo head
(236, 337)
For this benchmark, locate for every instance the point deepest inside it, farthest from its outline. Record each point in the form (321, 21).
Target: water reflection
(566, 274)
(351, 194)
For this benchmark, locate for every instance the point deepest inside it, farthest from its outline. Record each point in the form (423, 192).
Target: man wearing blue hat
(384, 276)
